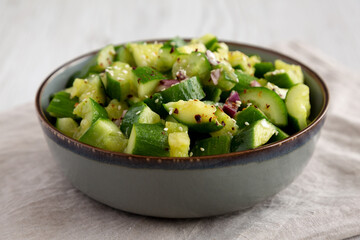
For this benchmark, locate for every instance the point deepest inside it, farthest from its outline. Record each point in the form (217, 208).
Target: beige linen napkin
(37, 202)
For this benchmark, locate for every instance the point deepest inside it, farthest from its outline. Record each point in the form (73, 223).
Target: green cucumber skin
(62, 105)
(248, 116)
(268, 102)
(281, 80)
(115, 90)
(150, 138)
(147, 74)
(175, 42)
(123, 55)
(131, 117)
(185, 90)
(262, 68)
(281, 135)
(212, 146)
(106, 135)
(244, 80)
(155, 103)
(212, 93)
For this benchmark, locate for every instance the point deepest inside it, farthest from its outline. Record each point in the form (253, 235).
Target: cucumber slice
(148, 139)
(98, 63)
(244, 80)
(185, 90)
(91, 87)
(90, 111)
(227, 79)
(119, 79)
(269, 103)
(175, 42)
(241, 61)
(179, 144)
(212, 146)
(124, 55)
(106, 135)
(155, 103)
(294, 71)
(175, 127)
(279, 91)
(253, 136)
(115, 109)
(252, 114)
(167, 58)
(298, 105)
(148, 79)
(212, 93)
(263, 67)
(62, 106)
(195, 114)
(193, 64)
(208, 40)
(280, 78)
(145, 54)
(192, 47)
(221, 51)
(138, 113)
(67, 126)
(230, 126)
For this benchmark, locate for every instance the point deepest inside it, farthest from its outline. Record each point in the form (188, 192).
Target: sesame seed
(181, 129)
(202, 149)
(165, 129)
(138, 112)
(156, 100)
(191, 154)
(119, 107)
(247, 123)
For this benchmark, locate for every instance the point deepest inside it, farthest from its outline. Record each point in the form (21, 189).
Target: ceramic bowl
(183, 187)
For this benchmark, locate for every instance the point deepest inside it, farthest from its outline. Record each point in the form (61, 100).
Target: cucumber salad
(181, 99)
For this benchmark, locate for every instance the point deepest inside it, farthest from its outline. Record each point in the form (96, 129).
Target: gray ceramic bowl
(186, 187)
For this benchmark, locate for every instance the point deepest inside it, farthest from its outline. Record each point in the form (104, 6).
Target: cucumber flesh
(67, 126)
(106, 135)
(119, 80)
(253, 136)
(262, 68)
(145, 54)
(179, 144)
(268, 102)
(148, 139)
(115, 109)
(148, 79)
(298, 105)
(124, 55)
(91, 87)
(230, 126)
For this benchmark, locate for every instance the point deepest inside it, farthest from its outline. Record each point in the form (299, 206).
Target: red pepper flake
(133, 68)
(267, 105)
(76, 104)
(210, 119)
(129, 96)
(138, 80)
(223, 123)
(176, 111)
(172, 50)
(233, 128)
(163, 133)
(260, 93)
(166, 149)
(178, 59)
(245, 91)
(198, 118)
(196, 50)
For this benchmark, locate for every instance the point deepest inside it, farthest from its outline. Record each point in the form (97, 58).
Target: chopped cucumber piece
(106, 135)
(212, 93)
(90, 111)
(268, 101)
(192, 47)
(91, 87)
(124, 55)
(138, 113)
(67, 126)
(263, 67)
(155, 103)
(227, 79)
(185, 90)
(241, 61)
(148, 139)
(193, 64)
(167, 58)
(62, 106)
(175, 127)
(145, 54)
(119, 80)
(279, 91)
(230, 126)
(148, 79)
(115, 109)
(194, 114)
(298, 105)
(253, 136)
(179, 144)
(175, 42)
(212, 146)
(208, 40)
(294, 71)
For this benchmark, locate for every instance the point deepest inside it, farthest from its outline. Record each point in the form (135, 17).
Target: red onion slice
(255, 83)
(234, 96)
(215, 75)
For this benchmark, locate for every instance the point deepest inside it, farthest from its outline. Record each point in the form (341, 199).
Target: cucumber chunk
(167, 57)
(192, 47)
(253, 136)
(294, 71)
(67, 126)
(155, 103)
(115, 109)
(138, 113)
(119, 80)
(90, 111)
(298, 105)
(230, 126)
(269, 103)
(212, 146)
(263, 67)
(91, 87)
(212, 93)
(145, 54)
(227, 79)
(148, 79)
(195, 114)
(241, 61)
(106, 135)
(208, 40)
(175, 127)
(193, 64)
(175, 42)
(185, 90)
(148, 139)
(62, 106)
(124, 55)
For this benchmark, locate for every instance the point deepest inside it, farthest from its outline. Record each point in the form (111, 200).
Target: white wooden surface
(37, 36)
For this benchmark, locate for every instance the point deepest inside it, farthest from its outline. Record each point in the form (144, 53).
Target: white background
(37, 36)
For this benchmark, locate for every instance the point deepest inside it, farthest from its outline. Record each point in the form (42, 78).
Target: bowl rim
(118, 157)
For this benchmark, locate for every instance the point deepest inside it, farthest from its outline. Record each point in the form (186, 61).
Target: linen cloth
(37, 202)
